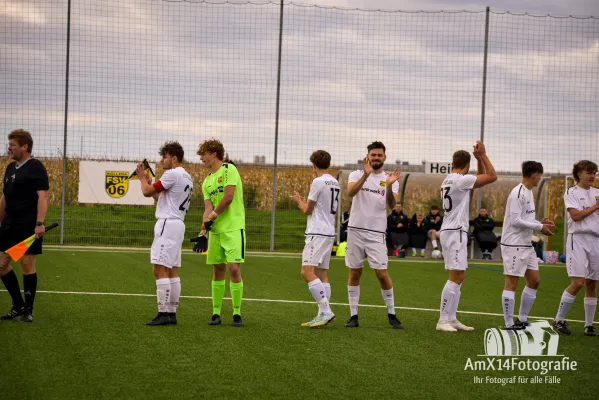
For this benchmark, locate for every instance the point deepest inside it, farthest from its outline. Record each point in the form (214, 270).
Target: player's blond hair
(212, 146)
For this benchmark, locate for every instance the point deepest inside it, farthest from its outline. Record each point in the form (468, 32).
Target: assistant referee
(23, 207)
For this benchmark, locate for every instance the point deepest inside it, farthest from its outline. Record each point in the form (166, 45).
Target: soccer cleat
(422, 254)
(445, 326)
(323, 319)
(160, 319)
(414, 254)
(215, 320)
(561, 327)
(514, 327)
(27, 314)
(460, 327)
(12, 314)
(237, 320)
(525, 324)
(589, 331)
(395, 323)
(310, 322)
(352, 322)
(173, 317)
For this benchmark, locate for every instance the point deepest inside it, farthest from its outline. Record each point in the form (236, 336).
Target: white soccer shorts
(582, 256)
(517, 260)
(362, 245)
(168, 238)
(455, 249)
(317, 251)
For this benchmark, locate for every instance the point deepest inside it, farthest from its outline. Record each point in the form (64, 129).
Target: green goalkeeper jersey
(213, 188)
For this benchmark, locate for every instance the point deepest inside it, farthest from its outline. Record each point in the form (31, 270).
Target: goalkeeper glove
(201, 243)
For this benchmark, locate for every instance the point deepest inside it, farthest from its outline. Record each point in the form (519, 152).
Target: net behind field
(146, 71)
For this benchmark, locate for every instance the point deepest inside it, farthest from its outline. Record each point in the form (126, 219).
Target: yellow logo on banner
(383, 183)
(117, 183)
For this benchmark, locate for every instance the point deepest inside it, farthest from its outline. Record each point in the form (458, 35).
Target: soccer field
(89, 338)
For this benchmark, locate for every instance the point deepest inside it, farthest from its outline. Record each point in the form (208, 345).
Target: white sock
(327, 290)
(447, 298)
(526, 301)
(163, 291)
(319, 294)
(564, 306)
(353, 294)
(456, 302)
(434, 243)
(421, 251)
(175, 293)
(508, 299)
(414, 250)
(389, 300)
(590, 305)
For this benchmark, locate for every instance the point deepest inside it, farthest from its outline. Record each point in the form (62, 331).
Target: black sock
(12, 285)
(29, 287)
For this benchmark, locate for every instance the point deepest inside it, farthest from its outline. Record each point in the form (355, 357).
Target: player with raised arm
(173, 192)
(519, 257)
(582, 246)
(224, 218)
(321, 207)
(455, 197)
(372, 190)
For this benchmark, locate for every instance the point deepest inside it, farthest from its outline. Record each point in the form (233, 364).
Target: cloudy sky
(145, 71)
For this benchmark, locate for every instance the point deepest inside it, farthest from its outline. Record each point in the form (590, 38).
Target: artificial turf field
(89, 338)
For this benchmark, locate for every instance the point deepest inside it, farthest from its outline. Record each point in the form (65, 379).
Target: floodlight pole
(274, 168)
(479, 197)
(66, 112)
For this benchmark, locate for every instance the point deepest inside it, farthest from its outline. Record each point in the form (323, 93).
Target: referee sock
(30, 287)
(12, 286)
(236, 289)
(508, 299)
(163, 289)
(175, 293)
(327, 290)
(353, 294)
(218, 292)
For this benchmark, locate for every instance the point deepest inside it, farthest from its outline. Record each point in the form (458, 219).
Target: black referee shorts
(15, 234)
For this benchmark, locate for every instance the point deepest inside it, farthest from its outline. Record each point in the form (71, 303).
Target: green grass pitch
(96, 345)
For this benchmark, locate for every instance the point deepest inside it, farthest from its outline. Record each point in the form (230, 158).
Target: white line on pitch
(285, 301)
(257, 255)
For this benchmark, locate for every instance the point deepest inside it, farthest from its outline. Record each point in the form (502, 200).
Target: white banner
(106, 183)
(437, 168)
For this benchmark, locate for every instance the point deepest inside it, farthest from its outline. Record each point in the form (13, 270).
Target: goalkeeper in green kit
(224, 218)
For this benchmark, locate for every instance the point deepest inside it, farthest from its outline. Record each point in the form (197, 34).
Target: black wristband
(39, 223)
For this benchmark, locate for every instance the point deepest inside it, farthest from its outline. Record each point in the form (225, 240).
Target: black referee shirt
(20, 191)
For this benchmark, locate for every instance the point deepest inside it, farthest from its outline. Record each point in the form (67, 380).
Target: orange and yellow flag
(18, 250)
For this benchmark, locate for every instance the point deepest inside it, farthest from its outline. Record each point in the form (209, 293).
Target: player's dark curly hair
(376, 145)
(531, 167)
(321, 159)
(212, 146)
(583, 165)
(173, 149)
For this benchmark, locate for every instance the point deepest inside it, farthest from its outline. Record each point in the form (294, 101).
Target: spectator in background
(433, 221)
(344, 223)
(397, 229)
(483, 233)
(418, 231)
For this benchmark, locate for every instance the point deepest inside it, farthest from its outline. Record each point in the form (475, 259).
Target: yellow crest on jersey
(220, 179)
(383, 183)
(596, 198)
(117, 183)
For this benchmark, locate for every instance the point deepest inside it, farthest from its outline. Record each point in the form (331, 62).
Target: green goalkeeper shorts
(226, 247)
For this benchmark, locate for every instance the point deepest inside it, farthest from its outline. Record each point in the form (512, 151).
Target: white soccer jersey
(175, 187)
(581, 199)
(455, 197)
(324, 191)
(369, 206)
(519, 221)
